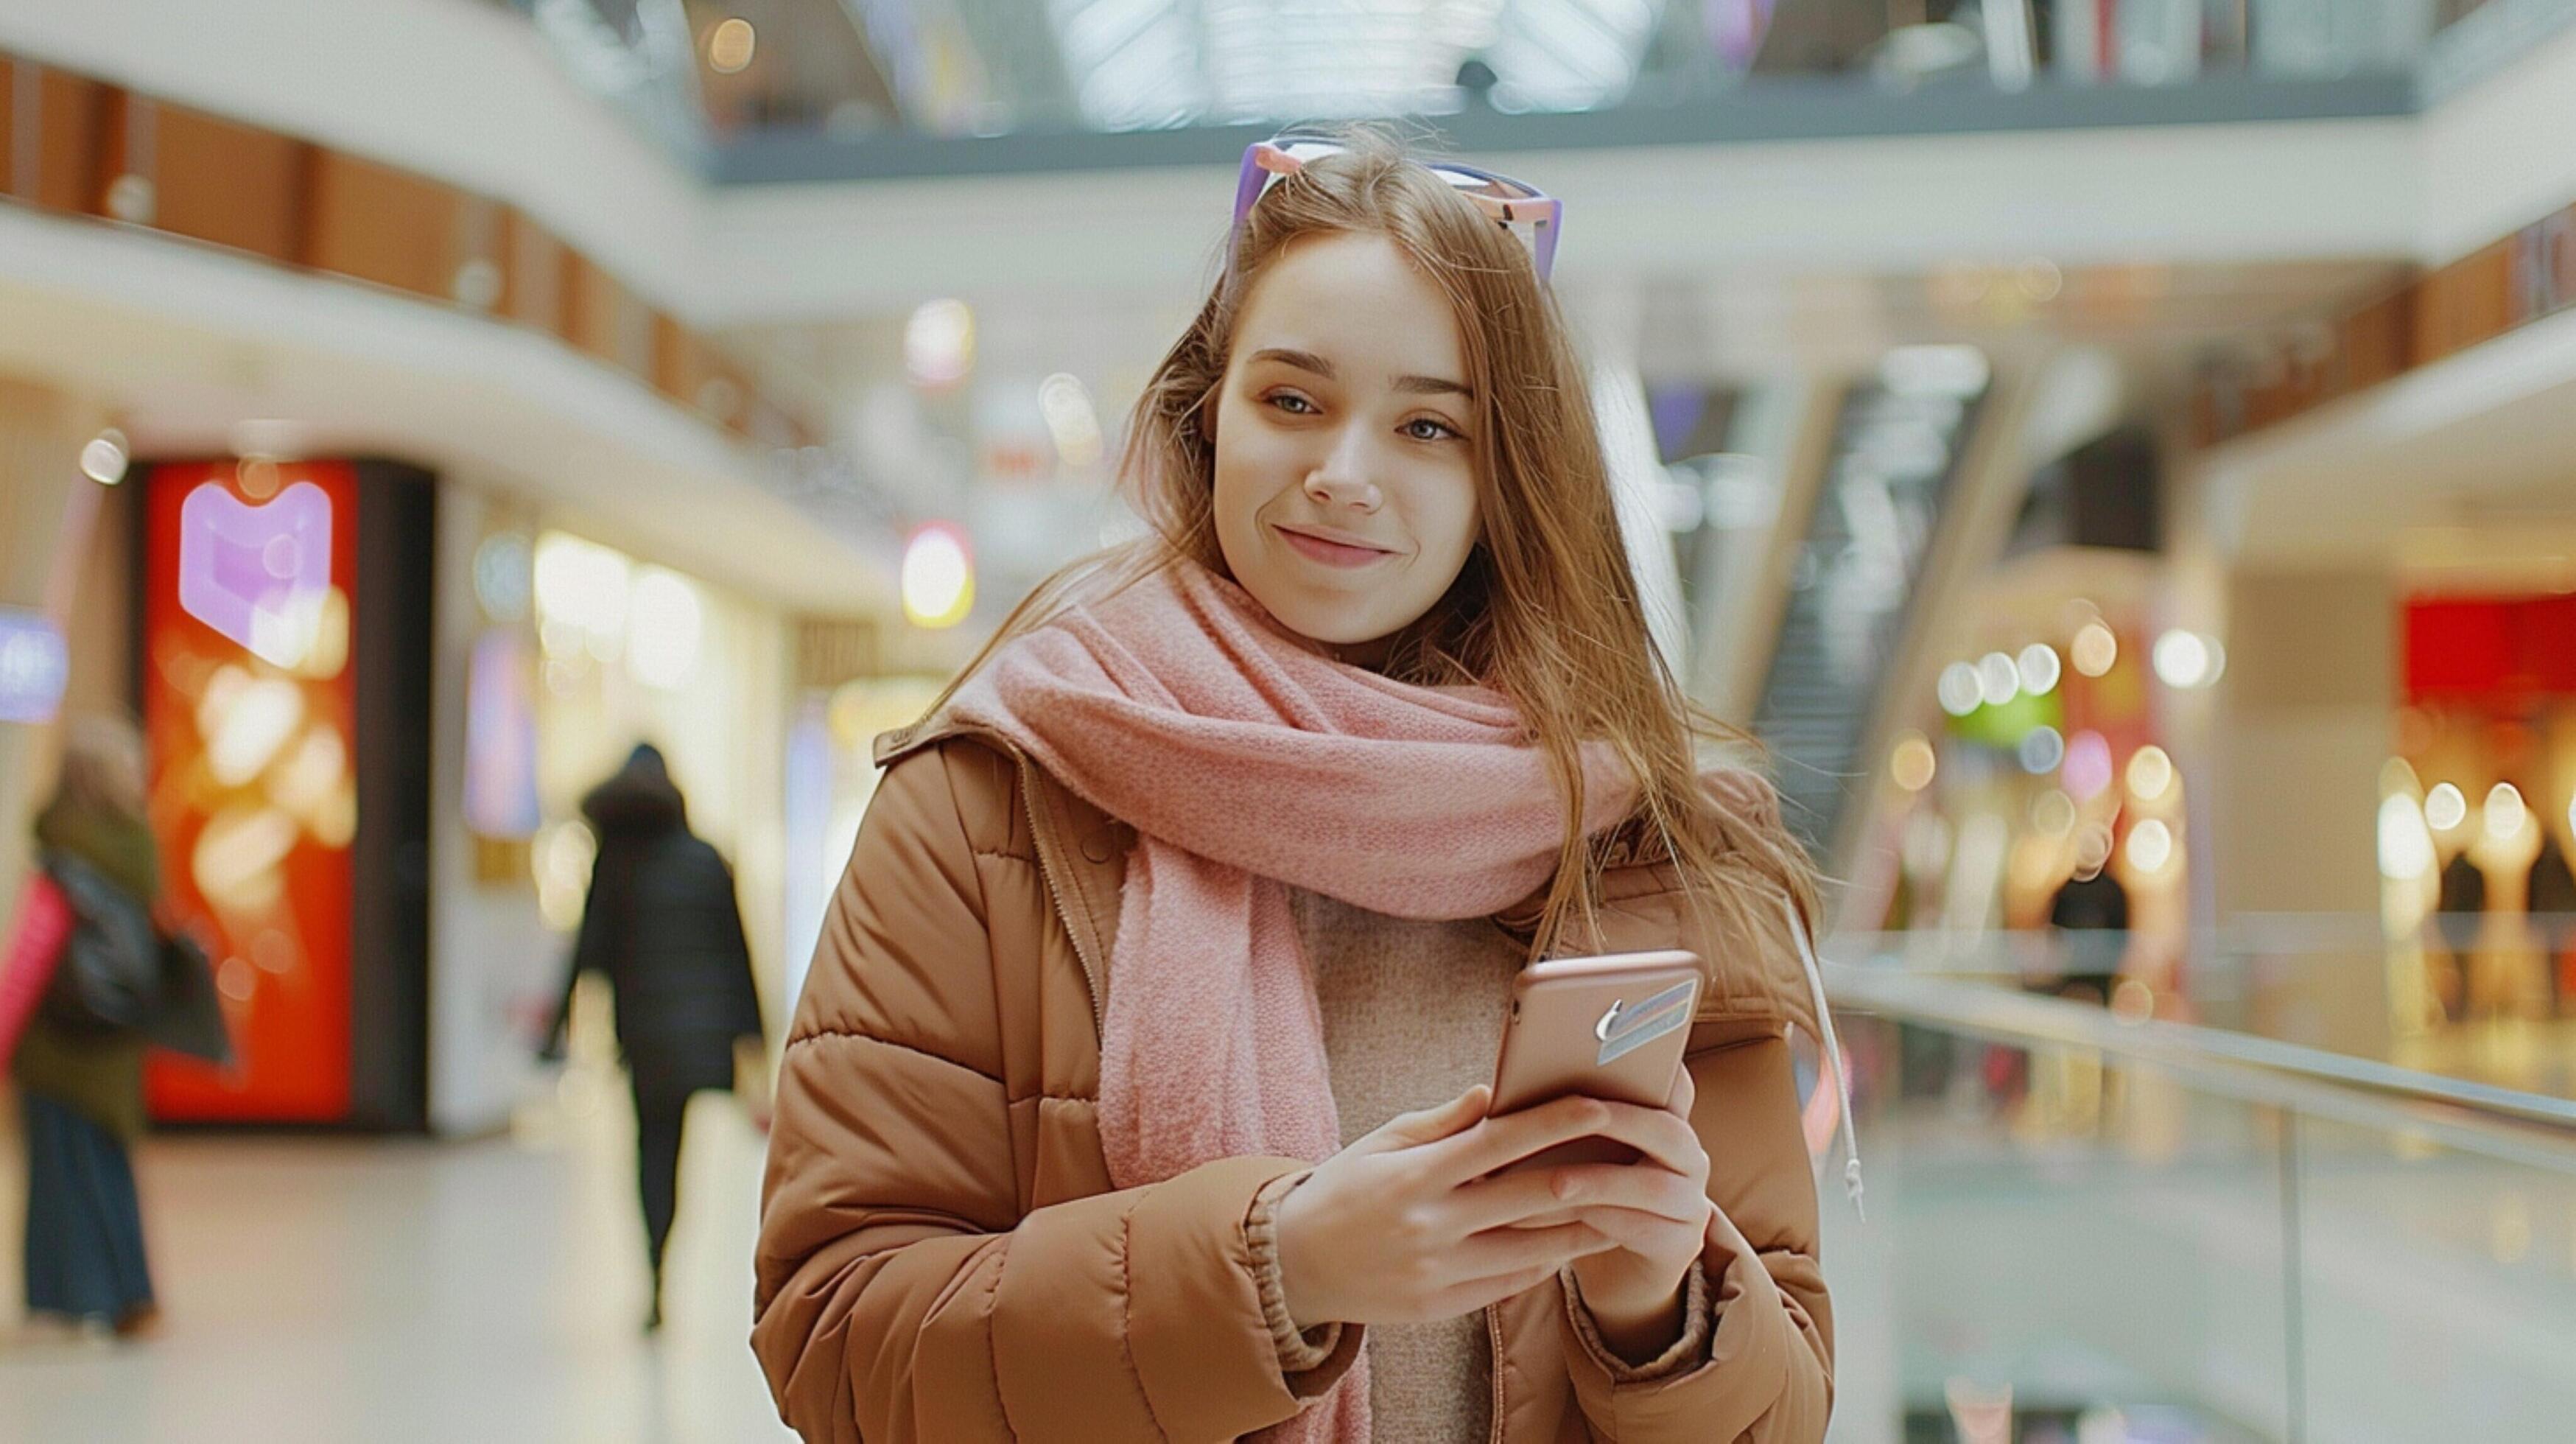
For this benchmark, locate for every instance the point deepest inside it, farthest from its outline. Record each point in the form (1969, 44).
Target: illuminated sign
(258, 575)
(33, 667)
(249, 703)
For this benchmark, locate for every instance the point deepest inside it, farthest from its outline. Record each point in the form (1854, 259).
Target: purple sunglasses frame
(1265, 159)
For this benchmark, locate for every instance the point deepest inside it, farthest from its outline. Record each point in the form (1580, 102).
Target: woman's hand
(1656, 1210)
(1404, 1226)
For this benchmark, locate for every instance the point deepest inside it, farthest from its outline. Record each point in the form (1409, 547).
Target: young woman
(81, 1084)
(1136, 1092)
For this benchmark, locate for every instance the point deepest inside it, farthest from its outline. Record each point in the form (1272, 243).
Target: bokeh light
(2041, 750)
(1071, 420)
(2405, 844)
(939, 343)
(501, 580)
(2095, 650)
(2151, 846)
(2151, 771)
(731, 45)
(1959, 689)
(1998, 680)
(1913, 763)
(2088, 765)
(938, 577)
(2505, 813)
(664, 627)
(2445, 807)
(2039, 669)
(584, 587)
(103, 459)
(2182, 660)
(2053, 812)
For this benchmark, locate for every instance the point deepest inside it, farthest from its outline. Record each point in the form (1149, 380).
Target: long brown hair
(102, 768)
(1546, 610)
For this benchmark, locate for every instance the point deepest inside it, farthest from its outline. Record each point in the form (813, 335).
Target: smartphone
(1611, 1027)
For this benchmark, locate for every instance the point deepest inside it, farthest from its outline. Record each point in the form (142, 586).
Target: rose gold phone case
(1611, 1027)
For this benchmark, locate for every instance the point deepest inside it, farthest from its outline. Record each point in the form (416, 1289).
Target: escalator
(1890, 480)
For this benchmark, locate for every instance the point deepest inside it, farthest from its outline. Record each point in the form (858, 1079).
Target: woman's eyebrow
(1433, 386)
(1302, 360)
(1309, 361)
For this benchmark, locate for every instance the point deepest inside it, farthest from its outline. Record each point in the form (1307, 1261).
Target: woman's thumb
(1432, 1124)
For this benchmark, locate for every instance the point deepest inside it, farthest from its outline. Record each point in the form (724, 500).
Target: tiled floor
(348, 1289)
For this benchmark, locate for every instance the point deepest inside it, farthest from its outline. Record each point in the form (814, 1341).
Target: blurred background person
(2549, 899)
(80, 1078)
(663, 927)
(2089, 916)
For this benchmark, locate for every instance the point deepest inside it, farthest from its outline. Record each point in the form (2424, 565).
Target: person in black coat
(662, 926)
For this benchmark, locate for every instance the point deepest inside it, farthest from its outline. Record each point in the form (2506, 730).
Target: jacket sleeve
(902, 1293)
(1767, 1376)
(589, 954)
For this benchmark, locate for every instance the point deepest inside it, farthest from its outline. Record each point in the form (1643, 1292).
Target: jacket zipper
(1494, 1338)
(1041, 832)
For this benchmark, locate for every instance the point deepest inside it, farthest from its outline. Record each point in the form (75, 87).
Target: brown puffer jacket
(942, 1257)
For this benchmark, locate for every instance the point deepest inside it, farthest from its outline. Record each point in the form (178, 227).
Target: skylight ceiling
(1139, 64)
(803, 89)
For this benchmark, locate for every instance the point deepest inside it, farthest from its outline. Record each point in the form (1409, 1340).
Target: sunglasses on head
(1516, 206)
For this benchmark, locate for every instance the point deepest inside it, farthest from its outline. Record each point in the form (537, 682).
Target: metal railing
(2079, 1216)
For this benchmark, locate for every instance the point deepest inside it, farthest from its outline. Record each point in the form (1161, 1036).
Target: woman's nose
(1341, 478)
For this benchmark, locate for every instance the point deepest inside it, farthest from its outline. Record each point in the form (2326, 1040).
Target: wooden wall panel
(10, 81)
(205, 178)
(50, 124)
(699, 376)
(605, 319)
(80, 146)
(532, 273)
(384, 225)
(2465, 302)
(678, 363)
(2375, 342)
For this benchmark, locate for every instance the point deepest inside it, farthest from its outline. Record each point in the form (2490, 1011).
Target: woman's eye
(1423, 428)
(1292, 403)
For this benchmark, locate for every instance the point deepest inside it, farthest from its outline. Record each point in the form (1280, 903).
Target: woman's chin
(1325, 625)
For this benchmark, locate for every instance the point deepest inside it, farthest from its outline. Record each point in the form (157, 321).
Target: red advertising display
(249, 703)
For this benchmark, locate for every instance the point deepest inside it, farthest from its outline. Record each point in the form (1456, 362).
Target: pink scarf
(1249, 763)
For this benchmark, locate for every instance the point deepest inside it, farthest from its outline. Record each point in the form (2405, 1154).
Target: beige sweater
(1413, 1015)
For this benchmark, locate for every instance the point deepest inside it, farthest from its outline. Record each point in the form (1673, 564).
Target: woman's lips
(1332, 553)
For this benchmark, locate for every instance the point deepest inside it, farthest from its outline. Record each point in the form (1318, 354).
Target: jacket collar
(1081, 850)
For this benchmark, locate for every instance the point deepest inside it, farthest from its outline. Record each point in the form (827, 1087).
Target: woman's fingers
(1527, 1199)
(1650, 1234)
(1428, 1125)
(1663, 1137)
(1513, 1251)
(1499, 1142)
(1588, 1187)
(1540, 1197)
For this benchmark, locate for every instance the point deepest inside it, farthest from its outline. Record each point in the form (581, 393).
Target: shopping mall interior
(2116, 458)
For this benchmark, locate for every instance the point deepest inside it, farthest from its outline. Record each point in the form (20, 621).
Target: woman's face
(1345, 475)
